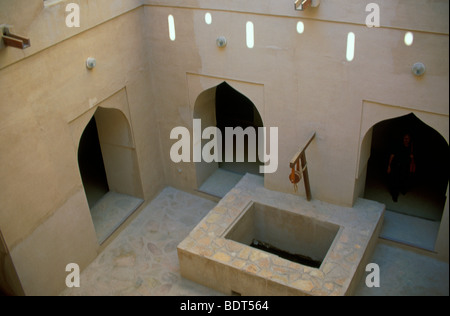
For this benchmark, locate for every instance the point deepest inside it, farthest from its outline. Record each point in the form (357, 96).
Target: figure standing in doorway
(401, 168)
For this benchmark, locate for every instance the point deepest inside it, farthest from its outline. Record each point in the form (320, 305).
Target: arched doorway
(109, 170)
(225, 107)
(233, 109)
(423, 201)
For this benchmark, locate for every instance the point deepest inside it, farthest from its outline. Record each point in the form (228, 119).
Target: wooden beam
(306, 177)
(13, 40)
(16, 41)
(297, 156)
(301, 5)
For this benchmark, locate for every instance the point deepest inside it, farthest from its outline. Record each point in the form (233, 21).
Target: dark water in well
(298, 258)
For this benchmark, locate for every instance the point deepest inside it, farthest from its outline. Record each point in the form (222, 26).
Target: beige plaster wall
(395, 13)
(307, 83)
(45, 92)
(207, 114)
(305, 80)
(117, 146)
(45, 24)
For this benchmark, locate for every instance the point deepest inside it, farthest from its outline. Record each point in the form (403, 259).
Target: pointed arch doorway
(109, 171)
(223, 106)
(416, 215)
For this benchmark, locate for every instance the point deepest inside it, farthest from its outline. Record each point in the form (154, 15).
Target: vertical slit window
(300, 27)
(350, 46)
(250, 31)
(172, 33)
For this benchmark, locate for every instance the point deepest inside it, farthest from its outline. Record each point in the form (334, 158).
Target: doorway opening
(233, 109)
(109, 171)
(90, 162)
(414, 217)
(225, 107)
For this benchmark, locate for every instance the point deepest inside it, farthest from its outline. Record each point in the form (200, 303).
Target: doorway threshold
(220, 183)
(409, 230)
(111, 211)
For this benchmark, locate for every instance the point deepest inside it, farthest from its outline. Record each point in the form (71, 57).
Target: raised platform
(208, 257)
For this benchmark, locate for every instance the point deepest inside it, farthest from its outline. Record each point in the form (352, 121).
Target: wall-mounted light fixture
(91, 62)
(302, 5)
(221, 42)
(418, 69)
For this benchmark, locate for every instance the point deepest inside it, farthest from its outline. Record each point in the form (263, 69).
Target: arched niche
(223, 106)
(109, 139)
(427, 198)
(374, 113)
(198, 84)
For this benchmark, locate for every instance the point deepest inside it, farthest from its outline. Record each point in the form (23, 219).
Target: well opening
(291, 236)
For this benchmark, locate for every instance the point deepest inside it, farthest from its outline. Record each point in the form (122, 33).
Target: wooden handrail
(301, 157)
(298, 155)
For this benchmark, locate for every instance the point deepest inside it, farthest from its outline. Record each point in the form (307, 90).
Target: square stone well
(290, 233)
(217, 253)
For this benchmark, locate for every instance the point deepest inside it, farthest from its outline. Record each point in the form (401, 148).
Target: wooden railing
(299, 163)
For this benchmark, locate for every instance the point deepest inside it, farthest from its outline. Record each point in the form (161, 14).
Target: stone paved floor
(111, 211)
(406, 273)
(143, 260)
(220, 183)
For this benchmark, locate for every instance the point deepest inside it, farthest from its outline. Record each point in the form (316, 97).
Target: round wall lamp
(91, 63)
(418, 69)
(221, 42)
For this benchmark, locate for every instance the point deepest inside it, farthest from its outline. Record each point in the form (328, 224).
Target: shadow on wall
(233, 109)
(92, 168)
(107, 156)
(223, 106)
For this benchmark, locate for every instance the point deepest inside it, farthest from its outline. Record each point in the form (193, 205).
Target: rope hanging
(298, 174)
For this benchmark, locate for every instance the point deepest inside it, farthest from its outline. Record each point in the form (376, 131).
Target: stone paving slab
(111, 211)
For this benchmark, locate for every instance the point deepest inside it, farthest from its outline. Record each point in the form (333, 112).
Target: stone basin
(217, 253)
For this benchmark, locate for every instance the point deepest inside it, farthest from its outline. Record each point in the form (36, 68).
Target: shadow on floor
(415, 218)
(227, 176)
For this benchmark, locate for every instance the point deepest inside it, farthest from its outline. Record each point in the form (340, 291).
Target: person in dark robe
(401, 168)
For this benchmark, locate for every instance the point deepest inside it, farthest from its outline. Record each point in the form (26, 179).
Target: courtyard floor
(142, 259)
